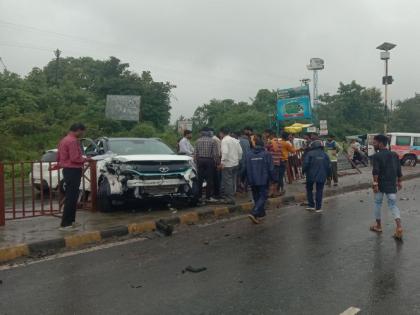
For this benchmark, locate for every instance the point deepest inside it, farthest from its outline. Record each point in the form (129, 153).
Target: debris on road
(404, 198)
(194, 270)
(164, 228)
(135, 286)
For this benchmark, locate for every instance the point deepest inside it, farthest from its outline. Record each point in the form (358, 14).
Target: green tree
(406, 116)
(353, 110)
(265, 101)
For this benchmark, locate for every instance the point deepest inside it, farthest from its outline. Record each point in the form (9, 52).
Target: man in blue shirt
(317, 167)
(260, 171)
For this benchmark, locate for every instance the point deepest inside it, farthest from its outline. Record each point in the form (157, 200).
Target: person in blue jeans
(317, 167)
(387, 179)
(260, 172)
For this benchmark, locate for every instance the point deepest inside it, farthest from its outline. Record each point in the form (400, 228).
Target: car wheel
(409, 160)
(44, 187)
(194, 198)
(104, 201)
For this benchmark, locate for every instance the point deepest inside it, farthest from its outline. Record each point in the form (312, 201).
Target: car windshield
(138, 146)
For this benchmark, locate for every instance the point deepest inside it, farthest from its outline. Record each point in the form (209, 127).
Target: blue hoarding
(294, 104)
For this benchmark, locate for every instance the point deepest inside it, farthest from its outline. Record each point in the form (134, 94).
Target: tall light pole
(387, 79)
(315, 65)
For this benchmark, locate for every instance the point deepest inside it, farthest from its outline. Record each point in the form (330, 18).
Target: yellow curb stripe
(275, 201)
(219, 212)
(12, 252)
(77, 240)
(247, 206)
(142, 227)
(300, 197)
(189, 217)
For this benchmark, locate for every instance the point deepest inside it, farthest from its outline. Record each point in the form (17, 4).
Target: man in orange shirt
(280, 148)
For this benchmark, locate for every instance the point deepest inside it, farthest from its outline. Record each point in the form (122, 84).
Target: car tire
(44, 187)
(104, 201)
(409, 160)
(194, 198)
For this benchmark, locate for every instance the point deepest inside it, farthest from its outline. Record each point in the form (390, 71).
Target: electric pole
(57, 54)
(2, 63)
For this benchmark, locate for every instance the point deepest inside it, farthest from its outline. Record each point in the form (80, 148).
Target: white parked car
(42, 179)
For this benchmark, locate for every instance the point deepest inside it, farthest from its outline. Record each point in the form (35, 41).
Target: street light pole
(386, 99)
(386, 80)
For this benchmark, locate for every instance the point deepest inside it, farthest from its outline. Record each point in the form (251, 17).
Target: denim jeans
(392, 204)
(317, 204)
(260, 195)
(282, 173)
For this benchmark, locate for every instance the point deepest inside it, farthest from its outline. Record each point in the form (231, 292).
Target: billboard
(123, 107)
(186, 124)
(294, 104)
(323, 128)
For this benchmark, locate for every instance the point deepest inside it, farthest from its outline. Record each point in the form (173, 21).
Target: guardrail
(294, 167)
(33, 188)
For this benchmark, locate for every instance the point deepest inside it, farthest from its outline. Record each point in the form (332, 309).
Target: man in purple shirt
(71, 160)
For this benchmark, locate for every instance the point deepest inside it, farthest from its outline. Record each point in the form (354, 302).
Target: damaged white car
(140, 169)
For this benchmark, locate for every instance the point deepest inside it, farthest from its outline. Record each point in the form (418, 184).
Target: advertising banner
(123, 107)
(323, 128)
(186, 124)
(294, 104)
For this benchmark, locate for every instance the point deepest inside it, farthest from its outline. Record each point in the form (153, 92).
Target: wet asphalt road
(294, 263)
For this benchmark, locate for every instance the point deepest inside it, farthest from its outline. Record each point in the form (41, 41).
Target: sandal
(398, 235)
(374, 228)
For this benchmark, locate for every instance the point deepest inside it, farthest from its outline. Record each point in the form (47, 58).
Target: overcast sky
(221, 48)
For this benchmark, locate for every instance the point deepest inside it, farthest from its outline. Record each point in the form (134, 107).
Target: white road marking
(351, 311)
(71, 253)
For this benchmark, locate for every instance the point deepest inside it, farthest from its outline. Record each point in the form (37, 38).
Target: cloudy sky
(221, 48)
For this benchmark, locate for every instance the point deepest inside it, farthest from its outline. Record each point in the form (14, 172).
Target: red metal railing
(30, 189)
(294, 167)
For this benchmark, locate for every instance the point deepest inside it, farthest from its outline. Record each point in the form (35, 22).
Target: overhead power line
(36, 29)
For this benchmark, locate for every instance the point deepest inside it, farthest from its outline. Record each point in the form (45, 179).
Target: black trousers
(72, 178)
(206, 171)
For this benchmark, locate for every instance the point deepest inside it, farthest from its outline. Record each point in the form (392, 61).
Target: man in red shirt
(71, 160)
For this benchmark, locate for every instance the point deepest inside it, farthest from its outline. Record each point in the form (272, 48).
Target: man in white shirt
(185, 146)
(231, 155)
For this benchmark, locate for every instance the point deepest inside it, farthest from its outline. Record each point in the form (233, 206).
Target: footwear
(335, 184)
(76, 224)
(211, 199)
(68, 228)
(398, 235)
(310, 209)
(318, 210)
(375, 228)
(253, 219)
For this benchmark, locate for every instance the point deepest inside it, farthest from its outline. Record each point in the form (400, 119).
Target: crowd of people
(231, 162)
